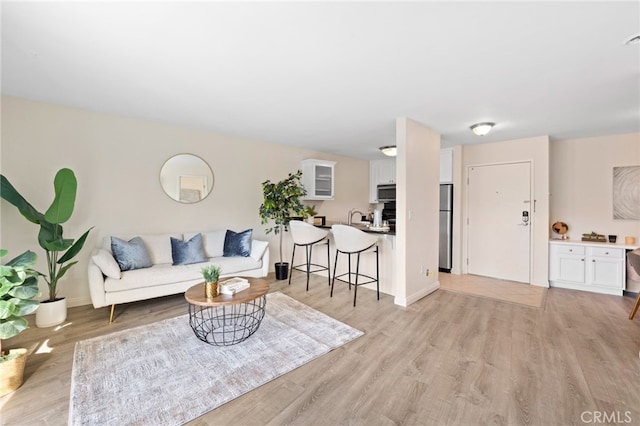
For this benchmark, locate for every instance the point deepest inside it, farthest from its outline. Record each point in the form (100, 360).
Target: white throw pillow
(107, 264)
(257, 249)
(213, 242)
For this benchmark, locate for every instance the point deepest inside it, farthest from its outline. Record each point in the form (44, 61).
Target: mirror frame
(171, 182)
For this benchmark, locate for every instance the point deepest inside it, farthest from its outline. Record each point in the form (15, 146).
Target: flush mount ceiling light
(389, 150)
(482, 129)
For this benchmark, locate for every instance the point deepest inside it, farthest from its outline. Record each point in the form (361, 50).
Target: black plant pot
(282, 270)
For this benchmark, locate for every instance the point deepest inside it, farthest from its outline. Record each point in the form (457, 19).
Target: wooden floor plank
(448, 359)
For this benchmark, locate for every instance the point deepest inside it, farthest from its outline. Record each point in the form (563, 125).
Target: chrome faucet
(351, 213)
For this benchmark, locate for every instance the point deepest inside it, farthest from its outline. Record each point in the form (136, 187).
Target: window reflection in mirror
(186, 178)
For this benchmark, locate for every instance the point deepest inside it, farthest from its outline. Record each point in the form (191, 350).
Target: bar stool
(350, 240)
(307, 235)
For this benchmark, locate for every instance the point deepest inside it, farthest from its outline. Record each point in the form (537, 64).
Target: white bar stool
(350, 240)
(307, 235)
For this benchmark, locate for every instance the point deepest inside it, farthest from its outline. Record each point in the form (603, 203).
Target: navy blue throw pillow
(237, 243)
(187, 252)
(130, 254)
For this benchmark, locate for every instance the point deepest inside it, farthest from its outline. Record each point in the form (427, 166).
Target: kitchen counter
(361, 226)
(387, 259)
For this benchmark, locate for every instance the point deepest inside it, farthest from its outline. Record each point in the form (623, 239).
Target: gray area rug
(161, 374)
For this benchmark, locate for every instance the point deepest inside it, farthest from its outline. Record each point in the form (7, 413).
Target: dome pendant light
(482, 129)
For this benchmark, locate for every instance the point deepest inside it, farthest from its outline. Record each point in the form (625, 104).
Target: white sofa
(110, 286)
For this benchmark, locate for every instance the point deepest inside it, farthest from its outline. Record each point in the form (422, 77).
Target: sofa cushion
(213, 242)
(187, 252)
(168, 274)
(257, 249)
(237, 243)
(158, 245)
(130, 254)
(107, 264)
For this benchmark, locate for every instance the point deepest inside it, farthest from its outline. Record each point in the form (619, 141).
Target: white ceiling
(334, 76)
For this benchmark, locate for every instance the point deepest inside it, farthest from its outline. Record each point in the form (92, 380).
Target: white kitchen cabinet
(595, 267)
(387, 171)
(446, 165)
(381, 172)
(318, 178)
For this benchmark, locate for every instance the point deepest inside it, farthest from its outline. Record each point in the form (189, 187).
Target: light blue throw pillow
(237, 243)
(187, 252)
(130, 254)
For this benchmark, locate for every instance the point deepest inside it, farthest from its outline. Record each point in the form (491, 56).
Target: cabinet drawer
(612, 253)
(563, 249)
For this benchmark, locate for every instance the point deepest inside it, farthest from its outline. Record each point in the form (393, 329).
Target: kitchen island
(386, 252)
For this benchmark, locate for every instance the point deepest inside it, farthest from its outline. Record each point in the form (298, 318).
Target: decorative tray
(594, 237)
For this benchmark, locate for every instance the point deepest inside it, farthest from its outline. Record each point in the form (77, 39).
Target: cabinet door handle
(582, 260)
(606, 253)
(570, 250)
(593, 260)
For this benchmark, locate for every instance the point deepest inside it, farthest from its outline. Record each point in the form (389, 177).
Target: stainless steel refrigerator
(446, 227)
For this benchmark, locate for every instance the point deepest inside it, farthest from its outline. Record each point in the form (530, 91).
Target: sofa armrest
(265, 262)
(96, 285)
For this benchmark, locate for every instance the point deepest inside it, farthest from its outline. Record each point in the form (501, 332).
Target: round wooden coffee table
(227, 319)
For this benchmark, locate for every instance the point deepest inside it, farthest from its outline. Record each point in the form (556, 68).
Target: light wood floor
(507, 291)
(449, 359)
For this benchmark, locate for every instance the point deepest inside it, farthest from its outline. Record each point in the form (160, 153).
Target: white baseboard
(78, 301)
(417, 295)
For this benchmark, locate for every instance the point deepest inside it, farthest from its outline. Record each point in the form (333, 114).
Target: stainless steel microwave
(386, 193)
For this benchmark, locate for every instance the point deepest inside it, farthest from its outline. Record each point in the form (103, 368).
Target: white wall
(418, 200)
(535, 150)
(582, 183)
(117, 161)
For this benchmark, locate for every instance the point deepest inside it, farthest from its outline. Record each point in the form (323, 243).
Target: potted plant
(60, 250)
(309, 213)
(211, 274)
(281, 201)
(18, 288)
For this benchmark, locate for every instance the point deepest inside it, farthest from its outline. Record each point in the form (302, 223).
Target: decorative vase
(12, 371)
(51, 313)
(211, 290)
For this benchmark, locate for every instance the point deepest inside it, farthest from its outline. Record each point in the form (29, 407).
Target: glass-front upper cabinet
(318, 179)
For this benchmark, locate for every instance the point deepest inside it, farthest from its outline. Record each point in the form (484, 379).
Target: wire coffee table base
(227, 325)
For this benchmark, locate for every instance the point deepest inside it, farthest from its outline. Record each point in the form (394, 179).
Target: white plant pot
(49, 314)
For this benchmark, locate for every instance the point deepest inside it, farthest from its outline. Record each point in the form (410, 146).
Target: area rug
(491, 288)
(161, 374)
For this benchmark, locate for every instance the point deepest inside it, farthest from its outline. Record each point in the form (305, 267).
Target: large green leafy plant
(281, 201)
(18, 289)
(60, 251)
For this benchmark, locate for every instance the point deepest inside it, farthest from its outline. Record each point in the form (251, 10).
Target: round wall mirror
(186, 178)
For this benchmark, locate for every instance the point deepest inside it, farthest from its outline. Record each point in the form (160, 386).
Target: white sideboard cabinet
(318, 178)
(595, 267)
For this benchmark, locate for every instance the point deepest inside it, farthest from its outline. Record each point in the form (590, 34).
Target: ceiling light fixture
(482, 129)
(389, 150)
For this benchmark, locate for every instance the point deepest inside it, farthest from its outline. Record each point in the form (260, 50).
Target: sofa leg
(113, 307)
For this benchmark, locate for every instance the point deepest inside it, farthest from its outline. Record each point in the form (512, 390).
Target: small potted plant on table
(211, 275)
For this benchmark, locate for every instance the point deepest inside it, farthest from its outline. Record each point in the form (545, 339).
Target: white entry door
(499, 221)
